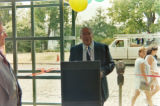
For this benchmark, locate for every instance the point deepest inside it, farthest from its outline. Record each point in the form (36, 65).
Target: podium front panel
(80, 83)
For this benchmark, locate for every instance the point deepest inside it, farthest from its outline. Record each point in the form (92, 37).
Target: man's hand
(101, 74)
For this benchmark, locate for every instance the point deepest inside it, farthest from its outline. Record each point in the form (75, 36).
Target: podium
(80, 83)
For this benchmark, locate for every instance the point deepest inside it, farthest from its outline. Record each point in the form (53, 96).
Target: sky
(90, 11)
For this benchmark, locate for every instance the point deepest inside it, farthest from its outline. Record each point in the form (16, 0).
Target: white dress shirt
(85, 49)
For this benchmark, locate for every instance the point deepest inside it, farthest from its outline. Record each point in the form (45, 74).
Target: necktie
(88, 53)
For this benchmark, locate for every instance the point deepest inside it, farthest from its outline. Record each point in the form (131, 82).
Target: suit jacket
(10, 92)
(101, 53)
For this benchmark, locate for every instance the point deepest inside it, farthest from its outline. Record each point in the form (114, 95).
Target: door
(118, 49)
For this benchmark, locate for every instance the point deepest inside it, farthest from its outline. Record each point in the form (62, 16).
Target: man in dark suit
(91, 50)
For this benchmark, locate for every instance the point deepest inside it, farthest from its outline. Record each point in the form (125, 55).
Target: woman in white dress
(152, 61)
(141, 81)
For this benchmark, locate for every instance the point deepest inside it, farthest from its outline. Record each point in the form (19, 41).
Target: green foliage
(49, 17)
(131, 14)
(5, 16)
(24, 46)
(9, 46)
(155, 27)
(101, 29)
(127, 16)
(107, 41)
(46, 19)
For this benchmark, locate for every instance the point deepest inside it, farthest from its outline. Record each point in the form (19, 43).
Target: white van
(126, 46)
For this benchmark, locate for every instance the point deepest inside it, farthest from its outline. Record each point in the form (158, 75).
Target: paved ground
(128, 90)
(49, 90)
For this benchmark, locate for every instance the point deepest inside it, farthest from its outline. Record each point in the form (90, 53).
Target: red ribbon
(43, 71)
(148, 75)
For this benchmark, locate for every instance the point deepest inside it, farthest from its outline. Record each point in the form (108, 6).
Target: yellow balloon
(78, 5)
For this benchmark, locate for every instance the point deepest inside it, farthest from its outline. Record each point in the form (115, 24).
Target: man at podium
(90, 50)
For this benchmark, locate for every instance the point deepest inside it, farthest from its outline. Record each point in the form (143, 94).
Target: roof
(137, 36)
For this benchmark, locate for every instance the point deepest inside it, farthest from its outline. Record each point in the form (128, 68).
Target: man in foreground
(10, 92)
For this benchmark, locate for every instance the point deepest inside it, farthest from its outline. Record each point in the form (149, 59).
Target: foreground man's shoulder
(100, 44)
(77, 46)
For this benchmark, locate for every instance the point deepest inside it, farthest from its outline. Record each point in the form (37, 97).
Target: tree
(5, 14)
(100, 27)
(132, 14)
(23, 30)
(45, 18)
(50, 16)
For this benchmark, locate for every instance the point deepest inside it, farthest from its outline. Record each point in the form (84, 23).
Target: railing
(34, 76)
(32, 38)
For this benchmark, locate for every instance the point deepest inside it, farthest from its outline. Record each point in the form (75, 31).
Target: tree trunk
(150, 20)
(49, 31)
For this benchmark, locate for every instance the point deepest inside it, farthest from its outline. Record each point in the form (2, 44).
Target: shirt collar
(91, 45)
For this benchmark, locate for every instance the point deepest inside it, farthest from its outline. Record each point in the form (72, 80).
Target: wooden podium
(80, 83)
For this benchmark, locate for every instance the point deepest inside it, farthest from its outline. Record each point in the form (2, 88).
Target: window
(119, 43)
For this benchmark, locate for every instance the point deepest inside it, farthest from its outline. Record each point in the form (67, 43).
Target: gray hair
(85, 29)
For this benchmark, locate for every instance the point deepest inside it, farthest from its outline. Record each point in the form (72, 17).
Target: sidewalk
(50, 90)
(127, 90)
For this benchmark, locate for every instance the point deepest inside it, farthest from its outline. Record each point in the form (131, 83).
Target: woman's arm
(150, 62)
(142, 68)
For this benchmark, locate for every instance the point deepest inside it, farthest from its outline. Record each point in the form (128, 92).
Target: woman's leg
(137, 92)
(148, 96)
(156, 88)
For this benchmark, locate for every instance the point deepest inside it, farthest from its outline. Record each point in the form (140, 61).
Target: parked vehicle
(126, 46)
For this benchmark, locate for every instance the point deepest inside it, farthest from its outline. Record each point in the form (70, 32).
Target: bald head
(86, 36)
(86, 30)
